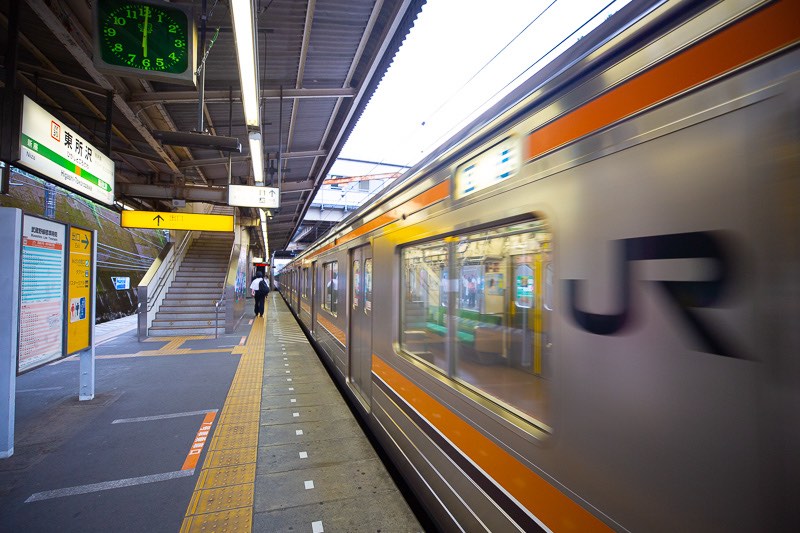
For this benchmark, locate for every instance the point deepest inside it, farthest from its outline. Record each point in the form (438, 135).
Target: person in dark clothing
(259, 289)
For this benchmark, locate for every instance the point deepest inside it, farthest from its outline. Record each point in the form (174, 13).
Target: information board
(41, 320)
(79, 290)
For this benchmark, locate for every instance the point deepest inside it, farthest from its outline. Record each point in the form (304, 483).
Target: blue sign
(121, 284)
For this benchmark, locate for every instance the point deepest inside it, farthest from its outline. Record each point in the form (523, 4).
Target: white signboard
(49, 147)
(246, 196)
(41, 320)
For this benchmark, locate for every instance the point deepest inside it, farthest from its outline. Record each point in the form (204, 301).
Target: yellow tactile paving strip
(173, 347)
(223, 497)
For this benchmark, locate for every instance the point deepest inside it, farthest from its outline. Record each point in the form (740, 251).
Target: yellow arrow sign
(183, 221)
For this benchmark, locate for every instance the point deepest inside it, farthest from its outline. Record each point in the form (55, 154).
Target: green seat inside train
(466, 322)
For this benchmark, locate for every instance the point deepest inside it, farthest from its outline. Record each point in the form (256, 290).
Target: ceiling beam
(213, 161)
(225, 96)
(166, 192)
(242, 158)
(137, 154)
(287, 186)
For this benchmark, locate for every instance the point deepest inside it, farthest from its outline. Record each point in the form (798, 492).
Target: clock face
(139, 35)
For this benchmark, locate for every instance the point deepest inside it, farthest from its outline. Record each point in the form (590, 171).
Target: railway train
(581, 313)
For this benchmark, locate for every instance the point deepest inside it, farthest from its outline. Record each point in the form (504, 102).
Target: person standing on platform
(259, 289)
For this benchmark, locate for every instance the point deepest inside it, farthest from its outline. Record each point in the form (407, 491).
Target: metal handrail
(224, 286)
(225, 282)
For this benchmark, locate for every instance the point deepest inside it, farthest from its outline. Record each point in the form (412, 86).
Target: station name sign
(51, 149)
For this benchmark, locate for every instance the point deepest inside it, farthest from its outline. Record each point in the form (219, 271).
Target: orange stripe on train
(758, 35)
(557, 511)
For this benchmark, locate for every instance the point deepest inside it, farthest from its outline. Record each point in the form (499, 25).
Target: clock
(149, 39)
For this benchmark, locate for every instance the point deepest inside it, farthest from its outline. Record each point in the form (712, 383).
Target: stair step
(197, 267)
(198, 284)
(190, 299)
(171, 323)
(189, 308)
(204, 315)
(181, 331)
(197, 294)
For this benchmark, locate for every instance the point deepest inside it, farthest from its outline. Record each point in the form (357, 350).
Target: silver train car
(582, 313)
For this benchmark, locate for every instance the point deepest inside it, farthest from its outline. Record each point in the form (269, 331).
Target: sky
(458, 59)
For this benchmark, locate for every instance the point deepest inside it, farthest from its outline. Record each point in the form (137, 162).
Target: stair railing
(159, 276)
(232, 271)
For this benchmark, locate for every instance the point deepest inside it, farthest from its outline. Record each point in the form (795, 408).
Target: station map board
(41, 320)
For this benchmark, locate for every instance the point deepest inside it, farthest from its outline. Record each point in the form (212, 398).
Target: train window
(331, 283)
(492, 335)
(424, 309)
(306, 282)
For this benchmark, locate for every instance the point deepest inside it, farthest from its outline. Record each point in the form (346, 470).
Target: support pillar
(11, 244)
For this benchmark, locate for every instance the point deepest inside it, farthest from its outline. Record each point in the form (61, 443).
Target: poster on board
(79, 290)
(41, 320)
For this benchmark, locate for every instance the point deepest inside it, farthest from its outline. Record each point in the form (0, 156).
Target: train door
(531, 296)
(300, 288)
(360, 367)
(313, 300)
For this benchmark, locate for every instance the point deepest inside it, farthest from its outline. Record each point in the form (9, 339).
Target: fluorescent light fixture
(246, 52)
(256, 156)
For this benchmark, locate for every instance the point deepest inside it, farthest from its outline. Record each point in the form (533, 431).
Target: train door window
(331, 283)
(305, 283)
(356, 282)
(424, 319)
(368, 284)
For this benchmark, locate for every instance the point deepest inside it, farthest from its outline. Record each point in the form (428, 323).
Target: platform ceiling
(326, 57)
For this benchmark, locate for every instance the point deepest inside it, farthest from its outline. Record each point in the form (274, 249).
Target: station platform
(245, 432)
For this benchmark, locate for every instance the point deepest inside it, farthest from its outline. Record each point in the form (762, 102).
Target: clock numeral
(146, 63)
(131, 58)
(119, 21)
(173, 57)
(111, 32)
(180, 43)
(131, 13)
(117, 47)
(159, 63)
(173, 28)
(160, 17)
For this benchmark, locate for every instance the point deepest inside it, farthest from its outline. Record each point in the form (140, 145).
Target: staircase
(188, 307)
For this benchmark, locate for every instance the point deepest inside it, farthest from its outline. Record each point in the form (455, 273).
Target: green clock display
(151, 37)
